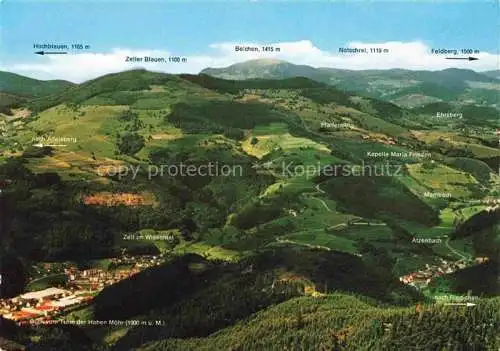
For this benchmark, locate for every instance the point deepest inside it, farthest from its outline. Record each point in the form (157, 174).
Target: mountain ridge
(24, 86)
(277, 61)
(404, 87)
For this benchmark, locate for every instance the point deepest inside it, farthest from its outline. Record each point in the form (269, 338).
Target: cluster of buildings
(43, 304)
(97, 278)
(423, 277)
(380, 139)
(81, 287)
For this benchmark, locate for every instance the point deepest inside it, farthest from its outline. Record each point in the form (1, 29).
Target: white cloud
(409, 55)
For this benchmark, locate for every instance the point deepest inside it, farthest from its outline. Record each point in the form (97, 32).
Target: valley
(235, 207)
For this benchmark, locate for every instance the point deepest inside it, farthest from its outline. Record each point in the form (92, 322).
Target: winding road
(463, 257)
(320, 191)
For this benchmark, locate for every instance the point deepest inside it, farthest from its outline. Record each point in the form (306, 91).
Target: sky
(205, 33)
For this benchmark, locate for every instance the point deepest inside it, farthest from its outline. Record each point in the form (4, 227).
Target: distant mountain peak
(264, 68)
(264, 61)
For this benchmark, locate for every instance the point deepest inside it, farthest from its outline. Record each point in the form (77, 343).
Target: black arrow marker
(51, 52)
(462, 58)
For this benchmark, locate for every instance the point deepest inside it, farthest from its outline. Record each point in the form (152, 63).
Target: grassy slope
(154, 96)
(285, 132)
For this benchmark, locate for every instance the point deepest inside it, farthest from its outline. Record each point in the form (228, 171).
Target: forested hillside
(311, 210)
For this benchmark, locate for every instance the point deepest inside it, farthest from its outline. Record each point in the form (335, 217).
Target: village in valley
(421, 278)
(80, 287)
(54, 303)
